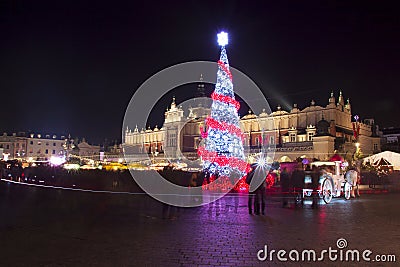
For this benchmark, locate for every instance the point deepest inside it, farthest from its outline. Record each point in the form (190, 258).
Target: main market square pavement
(56, 227)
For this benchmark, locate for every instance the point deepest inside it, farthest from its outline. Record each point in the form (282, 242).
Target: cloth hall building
(313, 132)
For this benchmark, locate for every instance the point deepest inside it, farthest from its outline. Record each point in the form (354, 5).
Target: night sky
(72, 67)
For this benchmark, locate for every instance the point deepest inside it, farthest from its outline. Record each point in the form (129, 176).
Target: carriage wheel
(327, 191)
(347, 191)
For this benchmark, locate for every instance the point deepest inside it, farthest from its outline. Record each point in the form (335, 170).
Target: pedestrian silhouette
(251, 201)
(285, 185)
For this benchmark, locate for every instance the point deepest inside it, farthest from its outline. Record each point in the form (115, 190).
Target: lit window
(272, 140)
(310, 136)
(292, 137)
(172, 139)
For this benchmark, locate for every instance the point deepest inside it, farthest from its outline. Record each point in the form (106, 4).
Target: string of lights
(226, 99)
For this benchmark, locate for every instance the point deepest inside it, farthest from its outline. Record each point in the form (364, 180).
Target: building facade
(391, 139)
(313, 132)
(85, 150)
(13, 146)
(32, 146)
(43, 147)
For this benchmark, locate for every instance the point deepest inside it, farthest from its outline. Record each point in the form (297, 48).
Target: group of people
(293, 182)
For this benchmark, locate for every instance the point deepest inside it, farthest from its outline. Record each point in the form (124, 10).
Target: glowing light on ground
(57, 161)
(71, 166)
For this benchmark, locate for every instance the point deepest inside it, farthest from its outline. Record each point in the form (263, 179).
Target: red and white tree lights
(223, 153)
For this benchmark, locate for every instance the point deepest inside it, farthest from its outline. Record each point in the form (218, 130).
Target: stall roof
(392, 157)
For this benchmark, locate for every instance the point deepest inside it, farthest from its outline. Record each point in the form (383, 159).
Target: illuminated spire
(173, 105)
(332, 99)
(340, 100)
(348, 106)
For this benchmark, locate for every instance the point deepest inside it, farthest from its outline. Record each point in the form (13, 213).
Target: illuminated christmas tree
(223, 152)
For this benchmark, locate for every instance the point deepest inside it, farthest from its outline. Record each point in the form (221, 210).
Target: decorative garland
(225, 69)
(226, 99)
(222, 161)
(223, 126)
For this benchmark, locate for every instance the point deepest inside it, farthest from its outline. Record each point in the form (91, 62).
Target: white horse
(351, 177)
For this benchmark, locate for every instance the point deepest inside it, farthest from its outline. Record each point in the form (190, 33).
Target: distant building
(391, 139)
(14, 145)
(42, 147)
(391, 134)
(116, 149)
(32, 146)
(313, 132)
(86, 150)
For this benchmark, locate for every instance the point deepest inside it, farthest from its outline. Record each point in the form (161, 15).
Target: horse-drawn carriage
(332, 182)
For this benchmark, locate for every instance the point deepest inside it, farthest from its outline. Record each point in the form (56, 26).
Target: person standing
(285, 185)
(251, 201)
(315, 175)
(259, 201)
(297, 182)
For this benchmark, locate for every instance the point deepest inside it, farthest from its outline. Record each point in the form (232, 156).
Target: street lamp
(357, 152)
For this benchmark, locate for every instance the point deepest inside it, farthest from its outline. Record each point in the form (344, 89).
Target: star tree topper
(222, 38)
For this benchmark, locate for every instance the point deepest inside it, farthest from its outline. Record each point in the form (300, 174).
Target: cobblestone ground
(48, 227)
